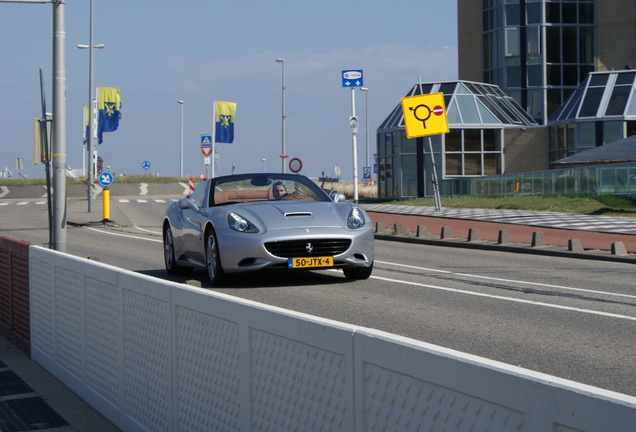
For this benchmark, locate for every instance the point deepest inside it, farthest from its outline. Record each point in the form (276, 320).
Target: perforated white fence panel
(152, 355)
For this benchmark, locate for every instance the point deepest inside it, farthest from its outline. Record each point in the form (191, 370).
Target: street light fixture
(180, 102)
(91, 110)
(366, 120)
(283, 154)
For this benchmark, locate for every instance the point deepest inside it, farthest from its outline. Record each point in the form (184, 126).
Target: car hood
(285, 214)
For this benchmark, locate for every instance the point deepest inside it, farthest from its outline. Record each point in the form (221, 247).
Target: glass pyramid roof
(468, 105)
(603, 95)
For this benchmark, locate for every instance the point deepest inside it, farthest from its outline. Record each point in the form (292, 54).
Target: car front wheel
(358, 273)
(168, 255)
(213, 260)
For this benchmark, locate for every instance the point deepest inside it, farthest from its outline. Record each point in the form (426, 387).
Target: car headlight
(355, 219)
(240, 224)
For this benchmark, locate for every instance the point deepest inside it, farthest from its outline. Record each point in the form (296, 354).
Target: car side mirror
(186, 203)
(338, 197)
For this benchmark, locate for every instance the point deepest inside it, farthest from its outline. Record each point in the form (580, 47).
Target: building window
(409, 176)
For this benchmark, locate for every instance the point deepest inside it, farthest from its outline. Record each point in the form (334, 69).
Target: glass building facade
(478, 115)
(538, 51)
(601, 110)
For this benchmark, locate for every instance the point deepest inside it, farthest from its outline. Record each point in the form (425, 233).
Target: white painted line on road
(125, 235)
(4, 204)
(143, 188)
(4, 190)
(510, 299)
(22, 203)
(509, 280)
(148, 231)
(124, 200)
(142, 201)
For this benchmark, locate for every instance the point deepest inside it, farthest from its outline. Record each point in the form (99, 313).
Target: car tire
(358, 273)
(213, 259)
(169, 258)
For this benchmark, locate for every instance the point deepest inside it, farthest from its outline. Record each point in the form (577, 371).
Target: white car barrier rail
(153, 355)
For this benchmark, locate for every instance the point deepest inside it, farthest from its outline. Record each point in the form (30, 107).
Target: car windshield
(265, 187)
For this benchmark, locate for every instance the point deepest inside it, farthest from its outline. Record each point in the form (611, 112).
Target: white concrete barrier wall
(153, 355)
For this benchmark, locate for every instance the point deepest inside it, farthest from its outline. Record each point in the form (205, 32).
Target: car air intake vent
(298, 214)
(307, 248)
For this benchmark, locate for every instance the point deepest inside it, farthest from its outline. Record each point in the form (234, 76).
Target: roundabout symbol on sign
(418, 112)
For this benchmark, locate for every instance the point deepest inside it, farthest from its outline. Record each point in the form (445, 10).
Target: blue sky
(158, 52)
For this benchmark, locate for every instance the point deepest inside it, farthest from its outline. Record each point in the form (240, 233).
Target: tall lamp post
(366, 120)
(58, 150)
(90, 142)
(180, 102)
(283, 154)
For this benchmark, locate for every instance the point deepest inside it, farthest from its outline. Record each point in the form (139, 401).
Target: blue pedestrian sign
(352, 78)
(206, 140)
(145, 165)
(105, 179)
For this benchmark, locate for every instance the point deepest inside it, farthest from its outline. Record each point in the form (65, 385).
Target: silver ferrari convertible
(251, 222)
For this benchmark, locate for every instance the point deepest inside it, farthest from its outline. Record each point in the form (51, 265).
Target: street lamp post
(91, 110)
(366, 120)
(283, 154)
(263, 160)
(180, 102)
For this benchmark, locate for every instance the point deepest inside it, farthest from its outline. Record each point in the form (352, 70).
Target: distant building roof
(602, 95)
(468, 104)
(620, 151)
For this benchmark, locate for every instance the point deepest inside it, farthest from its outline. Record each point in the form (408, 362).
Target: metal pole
(436, 195)
(59, 127)
(283, 154)
(92, 129)
(180, 102)
(91, 114)
(355, 149)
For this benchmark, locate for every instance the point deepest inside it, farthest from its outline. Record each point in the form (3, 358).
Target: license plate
(307, 262)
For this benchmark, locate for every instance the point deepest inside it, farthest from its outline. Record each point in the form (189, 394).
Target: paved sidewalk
(31, 399)
(607, 224)
(545, 232)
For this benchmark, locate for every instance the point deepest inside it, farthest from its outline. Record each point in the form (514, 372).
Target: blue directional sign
(352, 78)
(145, 165)
(105, 179)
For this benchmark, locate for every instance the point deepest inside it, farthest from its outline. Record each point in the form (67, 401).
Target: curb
(537, 248)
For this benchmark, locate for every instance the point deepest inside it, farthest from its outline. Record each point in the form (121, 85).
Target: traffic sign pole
(353, 79)
(354, 144)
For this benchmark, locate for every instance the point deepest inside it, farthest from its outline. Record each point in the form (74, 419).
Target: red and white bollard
(191, 184)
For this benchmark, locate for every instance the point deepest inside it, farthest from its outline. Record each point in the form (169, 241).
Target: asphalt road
(571, 318)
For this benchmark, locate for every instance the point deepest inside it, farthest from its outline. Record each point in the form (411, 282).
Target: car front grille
(308, 248)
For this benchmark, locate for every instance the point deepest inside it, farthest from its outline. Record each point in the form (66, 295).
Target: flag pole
(213, 134)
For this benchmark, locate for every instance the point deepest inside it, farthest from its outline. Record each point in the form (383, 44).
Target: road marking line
(508, 280)
(125, 235)
(510, 299)
(148, 231)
